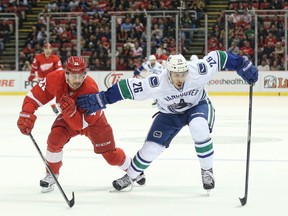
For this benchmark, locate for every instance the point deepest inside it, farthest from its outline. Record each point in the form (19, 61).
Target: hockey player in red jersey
(43, 64)
(66, 85)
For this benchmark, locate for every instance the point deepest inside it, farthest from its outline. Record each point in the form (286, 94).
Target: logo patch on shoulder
(202, 68)
(153, 81)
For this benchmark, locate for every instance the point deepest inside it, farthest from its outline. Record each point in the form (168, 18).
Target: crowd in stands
(95, 42)
(241, 32)
(131, 32)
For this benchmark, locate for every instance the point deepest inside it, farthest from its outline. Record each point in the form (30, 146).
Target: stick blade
(72, 201)
(243, 200)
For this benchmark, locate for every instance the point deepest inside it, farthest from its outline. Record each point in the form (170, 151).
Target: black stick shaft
(244, 199)
(69, 202)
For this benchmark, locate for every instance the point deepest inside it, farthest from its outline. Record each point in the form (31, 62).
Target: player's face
(152, 63)
(178, 79)
(75, 80)
(48, 51)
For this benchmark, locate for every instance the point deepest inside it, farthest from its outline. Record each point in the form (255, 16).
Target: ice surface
(173, 181)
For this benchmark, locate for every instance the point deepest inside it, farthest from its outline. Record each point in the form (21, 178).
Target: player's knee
(151, 150)
(199, 129)
(57, 139)
(115, 157)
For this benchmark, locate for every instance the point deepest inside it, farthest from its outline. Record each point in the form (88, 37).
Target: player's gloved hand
(136, 73)
(26, 122)
(31, 77)
(67, 105)
(248, 72)
(92, 102)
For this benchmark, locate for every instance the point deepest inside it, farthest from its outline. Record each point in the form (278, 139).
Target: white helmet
(177, 63)
(152, 58)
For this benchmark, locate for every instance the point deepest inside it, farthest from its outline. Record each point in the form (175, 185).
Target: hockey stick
(244, 199)
(69, 202)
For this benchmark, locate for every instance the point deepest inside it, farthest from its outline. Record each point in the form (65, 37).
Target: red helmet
(47, 45)
(76, 65)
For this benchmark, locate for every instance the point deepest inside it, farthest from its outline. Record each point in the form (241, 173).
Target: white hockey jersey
(156, 69)
(170, 99)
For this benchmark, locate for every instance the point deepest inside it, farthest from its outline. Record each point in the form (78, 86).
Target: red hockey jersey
(54, 85)
(43, 65)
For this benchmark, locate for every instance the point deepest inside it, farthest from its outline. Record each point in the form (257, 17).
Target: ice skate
(48, 183)
(208, 179)
(141, 179)
(122, 183)
(126, 181)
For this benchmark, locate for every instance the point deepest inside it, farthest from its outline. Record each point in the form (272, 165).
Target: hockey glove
(248, 72)
(26, 122)
(92, 102)
(31, 77)
(136, 73)
(67, 106)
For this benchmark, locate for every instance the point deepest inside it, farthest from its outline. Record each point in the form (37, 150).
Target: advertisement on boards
(226, 82)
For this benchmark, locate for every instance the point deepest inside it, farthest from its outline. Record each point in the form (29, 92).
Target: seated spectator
(28, 49)
(136, 51)
(247, 49)
(121, 64)
(234, 49)
(279, 50)
(122, 36)
(127, 25)
(52, 6)
(275, 66)
(268, 50)
(276, 5)
(138, 28)
(26, 66)
(243, 55)
(63, 6)
(160, 56)
(131, 65)
(264, 66)
(65, 36)
(97, 65)
(249, 33)
(212, 43)
(5, 31)
(270, 39)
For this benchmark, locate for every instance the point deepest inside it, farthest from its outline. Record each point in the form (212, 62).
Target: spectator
(122, 36)
(264, 66)
(52, 6)
(5, 31)
(275, 66)
(279, 50)
(276, 5)
(26, 66)
(247, 49)
(234, 49)
(121, 65)
(97, 65)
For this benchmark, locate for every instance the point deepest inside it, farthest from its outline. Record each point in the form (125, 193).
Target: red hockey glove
(67, 106)
(26, 122)
(31, 77)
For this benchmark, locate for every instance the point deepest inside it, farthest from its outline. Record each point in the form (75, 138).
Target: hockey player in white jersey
(149, 67)
(182, 100)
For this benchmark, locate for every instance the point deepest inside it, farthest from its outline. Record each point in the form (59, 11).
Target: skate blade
(47, 189)
(127, 189)
(208, 192)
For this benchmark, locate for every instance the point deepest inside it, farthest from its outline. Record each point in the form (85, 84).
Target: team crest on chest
(154, 81)
(202, 69)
